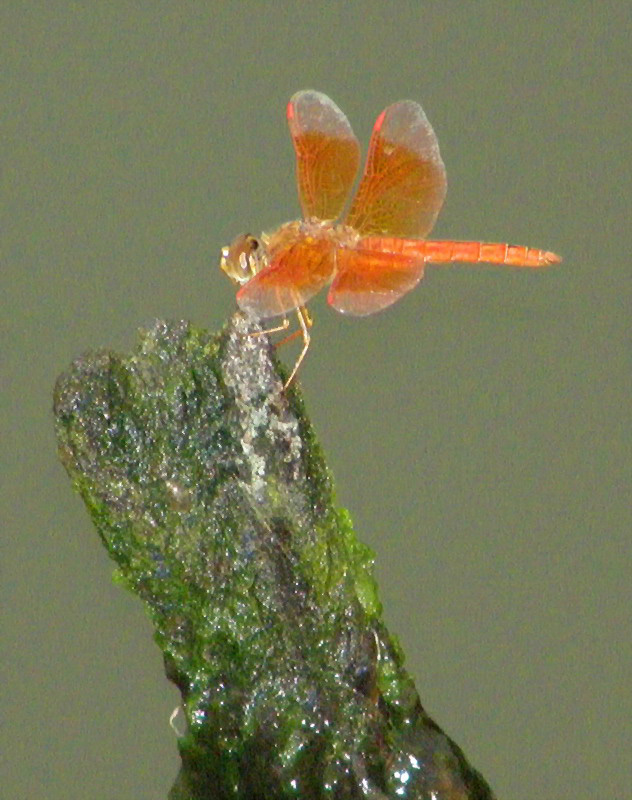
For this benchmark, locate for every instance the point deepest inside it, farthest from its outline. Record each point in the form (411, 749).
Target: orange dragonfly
(377, 252)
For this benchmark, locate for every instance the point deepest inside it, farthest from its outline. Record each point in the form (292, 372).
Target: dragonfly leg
(282, 327)
(309, 321)
(305, 321)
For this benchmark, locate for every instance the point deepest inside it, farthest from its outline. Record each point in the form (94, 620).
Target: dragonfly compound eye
(241, 260)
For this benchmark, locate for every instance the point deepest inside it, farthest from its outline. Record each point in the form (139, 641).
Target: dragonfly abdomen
(448, 252)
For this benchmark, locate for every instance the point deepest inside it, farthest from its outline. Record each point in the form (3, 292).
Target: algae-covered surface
(208, 489)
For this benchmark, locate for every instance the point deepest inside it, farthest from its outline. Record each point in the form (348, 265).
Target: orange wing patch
(404, 181)
(327, 154)
(295, 274)
(369, 280)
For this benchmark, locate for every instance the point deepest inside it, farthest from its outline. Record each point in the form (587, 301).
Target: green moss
(211, 493)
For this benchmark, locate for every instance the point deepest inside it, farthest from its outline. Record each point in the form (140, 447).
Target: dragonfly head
(242, 258)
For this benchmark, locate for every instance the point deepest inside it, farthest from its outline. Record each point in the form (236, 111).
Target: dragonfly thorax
(246, 255)
(308, 231)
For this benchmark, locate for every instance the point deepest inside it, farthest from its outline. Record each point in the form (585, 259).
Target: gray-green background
(478, 430)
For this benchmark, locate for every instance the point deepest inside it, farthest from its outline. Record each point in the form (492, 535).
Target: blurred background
(479, 430)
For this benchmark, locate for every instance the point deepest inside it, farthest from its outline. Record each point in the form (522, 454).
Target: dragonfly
(370, 250)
